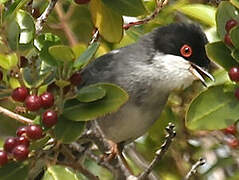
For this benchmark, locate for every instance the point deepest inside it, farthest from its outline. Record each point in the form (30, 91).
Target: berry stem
(15, 116)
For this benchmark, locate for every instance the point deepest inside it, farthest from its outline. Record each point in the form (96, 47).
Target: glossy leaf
(14, 171)
(8, 61)
(42, 43)
(203, 13)
(13, 35)
(108, 22)
(90, 93)
(27, 28)
(115, 97)
(225, 12)
(126, 7)
(62, 53)
(85, 58)
(216, 108)
(68, 131)
(235, 3)
(62, 83)
(16, 5)
(221, 77)
(57, 172)
(234, 33)
(220, 54)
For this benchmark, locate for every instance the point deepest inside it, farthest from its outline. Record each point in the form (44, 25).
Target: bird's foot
(112, 153)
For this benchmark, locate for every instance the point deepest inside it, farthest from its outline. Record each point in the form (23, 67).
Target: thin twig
(42, 19)
(66, 28)
(193, 170)
(15, 116)
(95, 36)
(159, 5)
(159, 154)
(74, 164)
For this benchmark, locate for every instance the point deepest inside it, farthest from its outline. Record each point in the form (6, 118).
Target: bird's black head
(185, 40)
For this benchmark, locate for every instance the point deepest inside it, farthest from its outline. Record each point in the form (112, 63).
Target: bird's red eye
(186, 51)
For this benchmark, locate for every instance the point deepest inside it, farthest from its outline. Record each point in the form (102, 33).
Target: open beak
(199, 72)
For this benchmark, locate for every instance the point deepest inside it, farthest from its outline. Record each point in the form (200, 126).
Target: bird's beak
(199, 72)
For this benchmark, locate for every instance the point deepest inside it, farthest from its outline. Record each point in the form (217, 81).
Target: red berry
(23, 61)
(230, 24)
(228, 40)
(233, 143)
(21, 130)
(20, 94)
(9, 144)
(82, 1)
(1, 75)
(33, 102)
(234, 74)
(76, 78)
(47, 100)
(22, 140)
(20, 152)
(230, 130)
(3, 158)
(34, 132)
(49, 118)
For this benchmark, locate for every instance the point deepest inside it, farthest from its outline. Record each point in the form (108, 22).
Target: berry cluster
(34, 103)
(231, 132)
(229, 25)
(17, 148)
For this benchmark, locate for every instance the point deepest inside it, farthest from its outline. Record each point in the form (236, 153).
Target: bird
(169, 58)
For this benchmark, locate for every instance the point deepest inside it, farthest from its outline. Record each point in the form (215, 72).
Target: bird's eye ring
(186, 51)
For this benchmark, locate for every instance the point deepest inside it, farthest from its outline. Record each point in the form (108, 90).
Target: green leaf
(213, 109)
(91, 93)
(85, 58)
(221, 77)
(27, 29)
(126, 7)
(235, 3)
(14, 83)
(8, 61)
(108, 22)
(235, 54)
(225, 12)
(220, 54)
(14, 170)
(201, 12)
(234, 33)
(39, 144)
(68, 131)
(57, 172)
(3, 1)
(62, 53)
(42, 43)
(13, 8)
(115, 97)
(13, 35)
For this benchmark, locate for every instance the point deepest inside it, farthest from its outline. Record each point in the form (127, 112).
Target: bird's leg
(116, 149)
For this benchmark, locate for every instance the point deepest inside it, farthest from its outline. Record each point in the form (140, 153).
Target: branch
(62, 18)
(159, 154)
(159, 5)
(74, 164)
(193, 170)
(15, 116)
(42, 19)
(96, 136)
